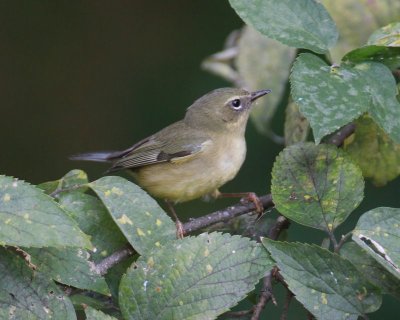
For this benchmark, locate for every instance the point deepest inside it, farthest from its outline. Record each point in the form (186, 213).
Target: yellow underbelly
(180, 182)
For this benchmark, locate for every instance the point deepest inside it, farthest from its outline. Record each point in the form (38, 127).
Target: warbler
(195, 156)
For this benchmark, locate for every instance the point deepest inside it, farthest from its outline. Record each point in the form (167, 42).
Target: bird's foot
(245, 198)
(252, 197)
(180, 233)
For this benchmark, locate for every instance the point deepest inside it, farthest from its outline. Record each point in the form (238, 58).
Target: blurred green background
(80, 76)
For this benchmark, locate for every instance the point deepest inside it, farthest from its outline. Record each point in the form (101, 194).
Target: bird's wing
(164, 146)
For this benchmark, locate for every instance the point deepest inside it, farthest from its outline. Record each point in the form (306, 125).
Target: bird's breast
(228, 157)
(216, 164)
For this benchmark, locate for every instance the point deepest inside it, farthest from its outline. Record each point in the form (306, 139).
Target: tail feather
(101, 156)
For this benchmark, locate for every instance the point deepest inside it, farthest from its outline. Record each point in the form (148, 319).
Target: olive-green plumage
(194, 156)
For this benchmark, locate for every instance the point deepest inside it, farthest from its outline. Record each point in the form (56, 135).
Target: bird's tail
(101, 156)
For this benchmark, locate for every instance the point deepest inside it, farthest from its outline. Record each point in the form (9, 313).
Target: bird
(193, 157)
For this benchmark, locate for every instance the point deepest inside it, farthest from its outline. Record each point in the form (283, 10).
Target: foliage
(57, 239)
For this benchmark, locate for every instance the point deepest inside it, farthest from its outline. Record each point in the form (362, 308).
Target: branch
(280, 224)
(342, 241)
(118, 256)
(218, 216)
(226, 214)
(338, 137)
(285, 311)
(274, 231)
(265, 296)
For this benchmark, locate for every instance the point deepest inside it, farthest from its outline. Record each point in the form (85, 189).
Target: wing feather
(164, 146)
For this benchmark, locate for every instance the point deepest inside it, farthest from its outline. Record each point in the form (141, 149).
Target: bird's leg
(245, 197)
(179, 226)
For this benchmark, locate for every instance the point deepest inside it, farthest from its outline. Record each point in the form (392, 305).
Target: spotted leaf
(329, 286)
(317, 186)
(194, 278)
(142, 221)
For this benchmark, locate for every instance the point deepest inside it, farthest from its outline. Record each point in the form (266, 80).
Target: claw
(252, 197)
(180, 233)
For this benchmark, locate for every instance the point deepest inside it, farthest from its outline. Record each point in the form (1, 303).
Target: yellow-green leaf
(296, 125)
(387, 36)
(377, 155)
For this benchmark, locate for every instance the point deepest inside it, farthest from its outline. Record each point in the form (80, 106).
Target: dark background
(101, 75)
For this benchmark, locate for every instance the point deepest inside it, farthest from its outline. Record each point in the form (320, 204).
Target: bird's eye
(236, 104)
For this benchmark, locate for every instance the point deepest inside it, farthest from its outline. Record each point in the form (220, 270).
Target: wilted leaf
(28, 295)
(317, 186)
(258, 59)
(139, 217)
(194, 278)
(329, 97)
(93, 314)
(371, 269)
(69, 266)
(378, 233)
(329, 286)
(296, 125)
(387, 36)
(376, 154)
(93, 218)
(301, 23)
(30, 218)
(349, 15)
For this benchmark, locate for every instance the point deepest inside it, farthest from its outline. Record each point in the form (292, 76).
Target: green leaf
(259, 57)
(387, 36)
(97, 302)
(349, 15)
(93, 314)
(296, 125)
(317, 186)
(194, 278)
(371, 269)
(384, 107)
(70, 266)
(301, 23)
(72, 179)
(114, 275)
(94, 219)
(389, 56)
(378, 233)
(30, 218)
(329, 97)
(139, 217)
(329, 286)
(376, 154)
(25, 294)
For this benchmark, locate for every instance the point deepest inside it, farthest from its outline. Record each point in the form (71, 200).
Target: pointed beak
(257, 94)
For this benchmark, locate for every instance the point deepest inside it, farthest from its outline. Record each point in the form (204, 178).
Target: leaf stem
(333, 239)
(342, 241)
